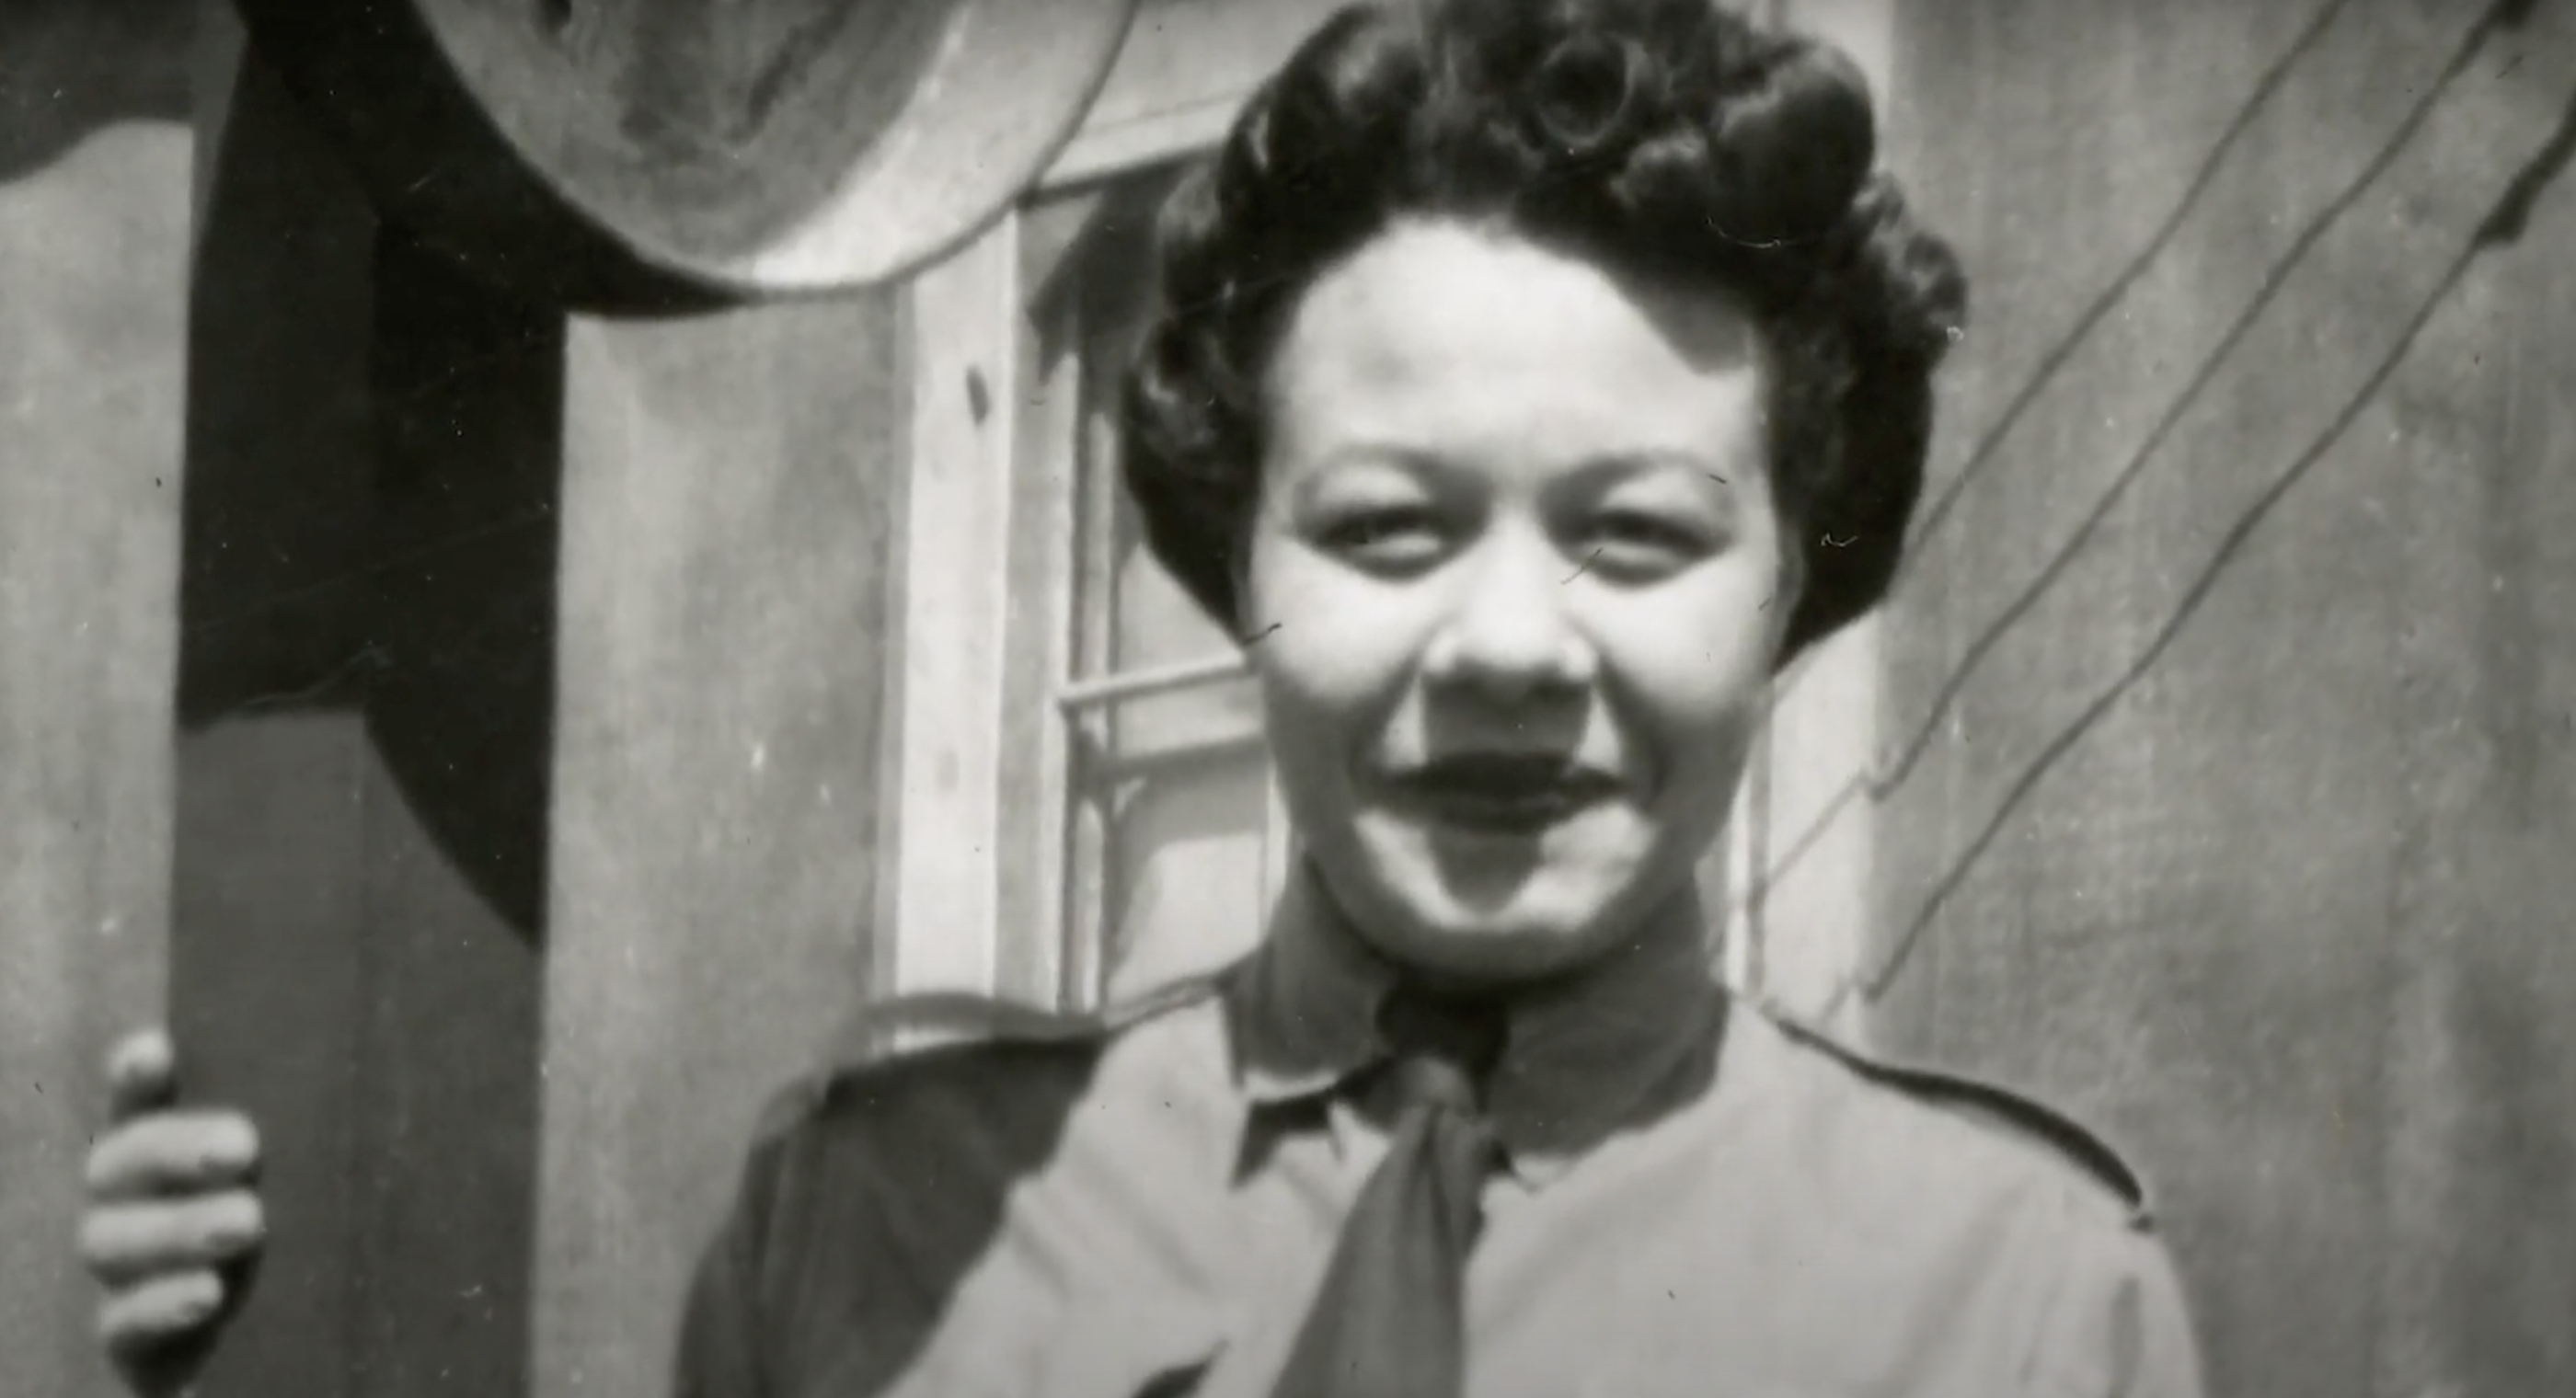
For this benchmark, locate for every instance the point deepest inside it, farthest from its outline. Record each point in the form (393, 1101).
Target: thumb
(142, 1074)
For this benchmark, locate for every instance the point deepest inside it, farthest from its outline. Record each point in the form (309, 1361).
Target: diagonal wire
(1877, 785)
(2274, 282)
(2503, 224)
(1982, 455)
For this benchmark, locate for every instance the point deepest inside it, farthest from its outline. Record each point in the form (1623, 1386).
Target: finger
(173, 1153)
(142, 1074)
(128, 1243)
(149, 1319)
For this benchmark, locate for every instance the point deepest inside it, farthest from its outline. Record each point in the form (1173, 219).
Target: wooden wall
(363, 709)
(2232, 778)
(94, 191)
(486, 749)
(529, 777)
(728, 495)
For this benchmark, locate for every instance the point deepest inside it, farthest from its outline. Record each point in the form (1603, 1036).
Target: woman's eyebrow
(1646, 461)
(1376, 460)
(1671, 475)
(1377, 451)
(1365, 466)
(1588, 475)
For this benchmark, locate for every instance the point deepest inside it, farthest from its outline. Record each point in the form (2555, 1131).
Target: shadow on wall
(369, 515)
(69, 68)
(374, 465)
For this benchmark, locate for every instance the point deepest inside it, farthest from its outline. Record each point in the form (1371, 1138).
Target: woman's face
(1516, 587)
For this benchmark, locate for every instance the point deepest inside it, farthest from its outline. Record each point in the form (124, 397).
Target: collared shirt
(1697, 1199)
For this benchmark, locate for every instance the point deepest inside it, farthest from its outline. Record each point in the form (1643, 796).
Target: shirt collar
(1584, 1058)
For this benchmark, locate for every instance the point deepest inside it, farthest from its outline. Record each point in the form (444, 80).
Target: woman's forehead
(1446, 332)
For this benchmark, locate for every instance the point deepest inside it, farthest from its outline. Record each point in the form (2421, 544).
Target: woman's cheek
(1332, 635)
(1692, 657)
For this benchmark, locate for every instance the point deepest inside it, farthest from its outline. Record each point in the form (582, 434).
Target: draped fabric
(1390, 1319)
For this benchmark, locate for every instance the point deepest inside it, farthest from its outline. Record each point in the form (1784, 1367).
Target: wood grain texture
(1034, 836)
(93, 301)
(2479, 1066)
(726, 528)
(2221, 744)
(966, 396)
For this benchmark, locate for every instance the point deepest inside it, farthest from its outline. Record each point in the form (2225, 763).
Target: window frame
(1186, 68)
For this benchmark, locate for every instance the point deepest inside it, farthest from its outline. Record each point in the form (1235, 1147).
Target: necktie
(1389, 1321)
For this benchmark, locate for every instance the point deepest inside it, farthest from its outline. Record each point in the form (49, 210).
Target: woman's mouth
(1502, 794)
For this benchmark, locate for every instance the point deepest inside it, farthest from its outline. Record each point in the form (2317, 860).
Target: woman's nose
(1509, 631)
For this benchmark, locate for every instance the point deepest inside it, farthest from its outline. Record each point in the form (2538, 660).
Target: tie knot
(1443, 1049)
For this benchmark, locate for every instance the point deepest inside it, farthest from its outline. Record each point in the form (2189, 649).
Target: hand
(174, 1225)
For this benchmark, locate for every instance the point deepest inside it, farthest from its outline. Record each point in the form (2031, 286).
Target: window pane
(1171, 812)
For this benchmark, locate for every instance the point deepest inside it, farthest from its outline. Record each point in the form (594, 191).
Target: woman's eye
(1636, 543)
(1388, 539)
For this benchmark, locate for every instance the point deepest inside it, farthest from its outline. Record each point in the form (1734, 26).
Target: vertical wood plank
(366, 693)
(716, 781)
(267, 904)
(965, 318)
(1090, 889)
(95, 158)
(466, 391)
(1035, 833)
(2479, 1068)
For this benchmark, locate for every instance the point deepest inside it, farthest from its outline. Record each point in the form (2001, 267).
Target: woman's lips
(1501, 794)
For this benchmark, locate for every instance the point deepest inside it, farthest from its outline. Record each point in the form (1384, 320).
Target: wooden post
(366, 701)
(95, 153)
(728, 505)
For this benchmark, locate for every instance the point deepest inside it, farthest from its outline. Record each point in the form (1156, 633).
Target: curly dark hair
(1669, 138)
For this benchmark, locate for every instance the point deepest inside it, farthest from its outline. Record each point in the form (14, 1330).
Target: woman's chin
(1478, 906)
(1545, 924)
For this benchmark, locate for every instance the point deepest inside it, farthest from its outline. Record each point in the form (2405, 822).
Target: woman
(1536, 377)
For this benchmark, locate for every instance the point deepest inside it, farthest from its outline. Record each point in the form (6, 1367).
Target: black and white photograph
(1288, 698)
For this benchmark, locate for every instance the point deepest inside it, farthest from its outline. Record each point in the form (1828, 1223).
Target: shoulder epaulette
(1999, 1106)
(928, 1021)
(905, 1027)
